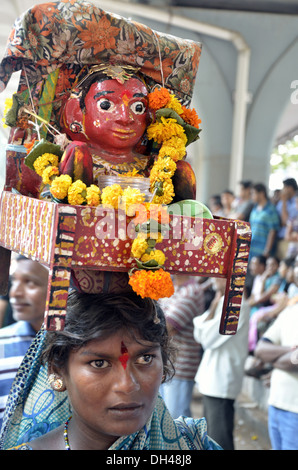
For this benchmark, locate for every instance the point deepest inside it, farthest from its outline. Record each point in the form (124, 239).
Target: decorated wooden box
(66, 237)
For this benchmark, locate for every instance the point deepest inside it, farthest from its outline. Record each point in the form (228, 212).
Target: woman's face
(283, 269)
(113, 384)
(116, 114)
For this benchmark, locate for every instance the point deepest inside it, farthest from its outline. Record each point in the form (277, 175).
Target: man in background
(264, 222)
(220, 374)
(244, 204)
(27, 296)
(180, 309)
(287, 210)
(279, 346)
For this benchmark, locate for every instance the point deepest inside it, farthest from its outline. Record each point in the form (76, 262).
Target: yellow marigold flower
(174, 104)
(49, 173)
(154, 284)
(138, 247)
(174, 141)
(47, 159)
(156, 255)
(111, 194)
(155, 132)
(168, 193)
(134, 173)
(93, 195)
(158, 177)
(60, 185)
(174, 148)
(164, 130)
(130, 197)
(175, 153)
(77, 193)
(164, 164)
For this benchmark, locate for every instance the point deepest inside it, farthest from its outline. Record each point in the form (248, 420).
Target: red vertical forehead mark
(127, 93)
(124, 355)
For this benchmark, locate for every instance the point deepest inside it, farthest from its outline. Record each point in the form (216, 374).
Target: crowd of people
(269, 304)
(265, 343)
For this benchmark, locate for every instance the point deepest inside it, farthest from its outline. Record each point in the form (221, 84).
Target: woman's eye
(146, 359)
(138, 107)
(99, 364)
(105, 105)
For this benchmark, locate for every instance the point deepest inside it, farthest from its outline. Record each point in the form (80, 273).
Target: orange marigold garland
(149, 278)
(174, 128)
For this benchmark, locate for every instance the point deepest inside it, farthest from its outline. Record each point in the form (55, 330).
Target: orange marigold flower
(150, 211)
(190, 116)
(154, 284)
(159, 98)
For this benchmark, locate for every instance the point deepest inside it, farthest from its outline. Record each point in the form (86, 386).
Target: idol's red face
(116, 114)
(113, 385)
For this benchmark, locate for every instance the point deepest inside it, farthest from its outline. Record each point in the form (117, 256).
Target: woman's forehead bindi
(123, 358)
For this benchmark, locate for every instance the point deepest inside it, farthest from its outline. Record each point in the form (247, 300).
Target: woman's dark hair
(91, 316)
(262, 259)
(260, 188)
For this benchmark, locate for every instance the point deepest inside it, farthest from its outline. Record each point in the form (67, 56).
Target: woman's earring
(55, 382)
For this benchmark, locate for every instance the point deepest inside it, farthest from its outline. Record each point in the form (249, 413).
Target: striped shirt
(185, 304)
(15, 339)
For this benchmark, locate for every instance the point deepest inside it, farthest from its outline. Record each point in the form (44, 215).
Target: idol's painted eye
(105, 105)
(138, 107)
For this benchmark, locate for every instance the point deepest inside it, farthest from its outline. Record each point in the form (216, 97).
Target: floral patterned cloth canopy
(70, 34)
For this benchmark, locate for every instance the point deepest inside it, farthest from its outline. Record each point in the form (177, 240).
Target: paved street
(250, 424)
